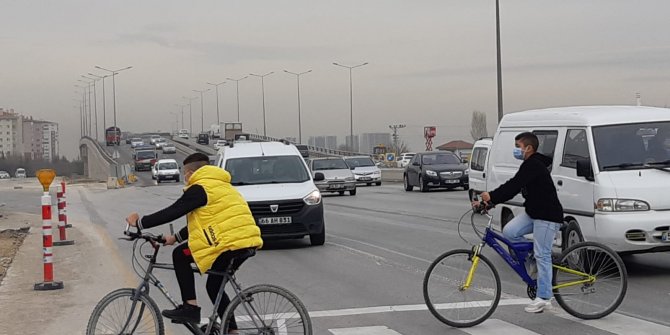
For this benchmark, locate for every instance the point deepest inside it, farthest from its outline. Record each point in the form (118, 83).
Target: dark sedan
(436, 169)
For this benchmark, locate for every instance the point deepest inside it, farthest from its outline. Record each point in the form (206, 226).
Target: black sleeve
(182, 235)
(193, 198)
(528, 171)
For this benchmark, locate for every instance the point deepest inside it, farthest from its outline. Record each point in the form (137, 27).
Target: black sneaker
(185, 313)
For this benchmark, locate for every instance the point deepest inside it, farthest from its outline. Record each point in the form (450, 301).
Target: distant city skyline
(430, 62)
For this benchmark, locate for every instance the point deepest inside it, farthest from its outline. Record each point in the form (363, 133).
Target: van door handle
(484, 175)
(560, 183)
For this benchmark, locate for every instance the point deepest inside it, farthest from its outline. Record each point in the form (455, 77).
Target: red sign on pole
(428, 134)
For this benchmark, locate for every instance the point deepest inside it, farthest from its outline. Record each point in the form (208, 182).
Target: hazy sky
(432, 62)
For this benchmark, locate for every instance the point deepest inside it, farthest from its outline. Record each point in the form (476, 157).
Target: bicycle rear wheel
(596, 299)
(267, 309)
(446, 297)
(112, 315)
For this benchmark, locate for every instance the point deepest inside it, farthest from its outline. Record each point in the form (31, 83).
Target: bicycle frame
(521, 250)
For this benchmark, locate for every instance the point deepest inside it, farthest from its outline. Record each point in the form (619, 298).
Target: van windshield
(632, 146)
(267, 170)
(145, 155)
(168, 166)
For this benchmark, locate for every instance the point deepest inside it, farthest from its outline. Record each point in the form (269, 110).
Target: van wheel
(341, 192)
(318, 238)
(369, 184)
(408, 186)
(177, 180)
(572, 234)
(379, 183)
(466, 187)
(422, 186)
(352, 192)
(471, 195)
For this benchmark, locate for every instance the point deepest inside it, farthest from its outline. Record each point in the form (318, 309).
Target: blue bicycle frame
(521, 250)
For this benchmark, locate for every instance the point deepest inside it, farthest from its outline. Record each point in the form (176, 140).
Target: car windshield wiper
(623, 166)
(663, 163)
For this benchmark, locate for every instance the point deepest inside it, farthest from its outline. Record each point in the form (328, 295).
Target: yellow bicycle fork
(475, 261)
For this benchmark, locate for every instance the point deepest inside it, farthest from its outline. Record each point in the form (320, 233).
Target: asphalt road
(379, 244)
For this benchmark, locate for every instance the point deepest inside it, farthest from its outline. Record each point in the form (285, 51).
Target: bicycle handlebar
(149, 237)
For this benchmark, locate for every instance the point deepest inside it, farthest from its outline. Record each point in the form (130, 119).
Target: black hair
(528, 138)
(196, 157)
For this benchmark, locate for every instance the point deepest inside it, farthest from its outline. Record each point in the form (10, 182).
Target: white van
(611, 168)
(275, 181)
(477, 166)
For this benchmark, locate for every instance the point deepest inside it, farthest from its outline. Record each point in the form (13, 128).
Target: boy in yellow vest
(220, 227)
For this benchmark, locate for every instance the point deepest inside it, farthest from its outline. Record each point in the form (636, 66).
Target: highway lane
(379, 244)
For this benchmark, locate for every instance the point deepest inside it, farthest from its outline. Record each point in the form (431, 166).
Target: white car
(169, 148)
(365, 170)
(183, 133)
(4, 175)
(280, 191)
(20, 173)
(154, 138)
(220, 144)
(166, 169)
(136, 142)
(159, 143)
(404, 158)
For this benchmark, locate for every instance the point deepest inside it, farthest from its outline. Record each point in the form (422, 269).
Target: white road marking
(620, 324)
(377, 330)
(496, 327)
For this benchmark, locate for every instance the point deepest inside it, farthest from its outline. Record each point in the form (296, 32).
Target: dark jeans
(182, 260)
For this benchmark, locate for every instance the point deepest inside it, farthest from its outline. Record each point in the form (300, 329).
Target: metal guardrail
(194, 146)
(312, 149)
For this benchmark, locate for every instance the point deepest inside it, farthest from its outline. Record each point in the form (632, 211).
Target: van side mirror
(465, 161)
(319, 176)
(584, 169)
(416, 164)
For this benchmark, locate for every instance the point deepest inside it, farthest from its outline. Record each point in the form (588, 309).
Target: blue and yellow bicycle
(462, 287)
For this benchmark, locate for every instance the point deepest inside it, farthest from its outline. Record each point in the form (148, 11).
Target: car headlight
(431, 173)
(621, 205)
(349, 179)
(466, 172)
(313, 198)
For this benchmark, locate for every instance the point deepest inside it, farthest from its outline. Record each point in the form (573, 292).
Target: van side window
(478, 159)
(576, 148)
(547, 139)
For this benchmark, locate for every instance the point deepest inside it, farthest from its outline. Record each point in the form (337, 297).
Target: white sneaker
(538, 305)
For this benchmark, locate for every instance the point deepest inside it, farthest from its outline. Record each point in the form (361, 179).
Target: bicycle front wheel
(267, 309)
(112, 315)
(447, 297)
(595, 298)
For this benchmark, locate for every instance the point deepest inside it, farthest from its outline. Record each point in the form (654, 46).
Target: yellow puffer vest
(224, 224)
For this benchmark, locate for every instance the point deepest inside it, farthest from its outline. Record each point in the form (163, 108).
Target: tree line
(61, 165)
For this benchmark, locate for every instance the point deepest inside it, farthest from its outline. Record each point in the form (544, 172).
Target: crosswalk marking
(620, 324)
(495, 326)
(377, 330)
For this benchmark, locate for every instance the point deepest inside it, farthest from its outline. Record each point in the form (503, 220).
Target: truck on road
(230, 130)
(112, 136)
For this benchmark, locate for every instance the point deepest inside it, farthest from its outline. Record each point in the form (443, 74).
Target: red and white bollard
(67, 225)
(47, 247)
(62, 217)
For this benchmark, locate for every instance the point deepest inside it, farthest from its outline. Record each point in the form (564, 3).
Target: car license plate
(450, 181)
(336, 186)
(365, 178)
(665, 237)
(275, 220)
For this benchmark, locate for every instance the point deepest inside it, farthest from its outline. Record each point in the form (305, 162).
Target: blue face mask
(518, 153)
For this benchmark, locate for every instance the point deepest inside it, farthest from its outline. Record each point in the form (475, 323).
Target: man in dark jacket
(543, 211)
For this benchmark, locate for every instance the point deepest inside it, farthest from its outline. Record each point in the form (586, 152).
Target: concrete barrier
(392, 175)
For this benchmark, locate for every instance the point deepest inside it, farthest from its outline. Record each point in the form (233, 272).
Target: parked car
(365, 170)
(220, 144)
(20, 173)
(278, 187)
(4, 175)
(153, 139)
(435, 169)
(338, 175)
(160, 142)
(136, 142)
(169, 148)
(477, 167)
(404, 158)
(165, 169)
(203, 138)
(610, 164)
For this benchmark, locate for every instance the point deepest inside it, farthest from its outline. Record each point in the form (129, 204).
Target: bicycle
(132, 311)
(462, 287)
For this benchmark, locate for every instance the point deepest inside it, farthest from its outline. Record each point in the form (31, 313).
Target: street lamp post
(499, 61)
(90, 114)
(104, 119)
(202, 109)
(218, 116)
(182, 116)
(95, 104)
(297, 75)
(351, 101)
(190, 114)
(262, 76)
(114, 73)
(83, 99)
(237, 85)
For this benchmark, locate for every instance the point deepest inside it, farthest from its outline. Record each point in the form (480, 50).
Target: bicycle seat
(235, 262)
